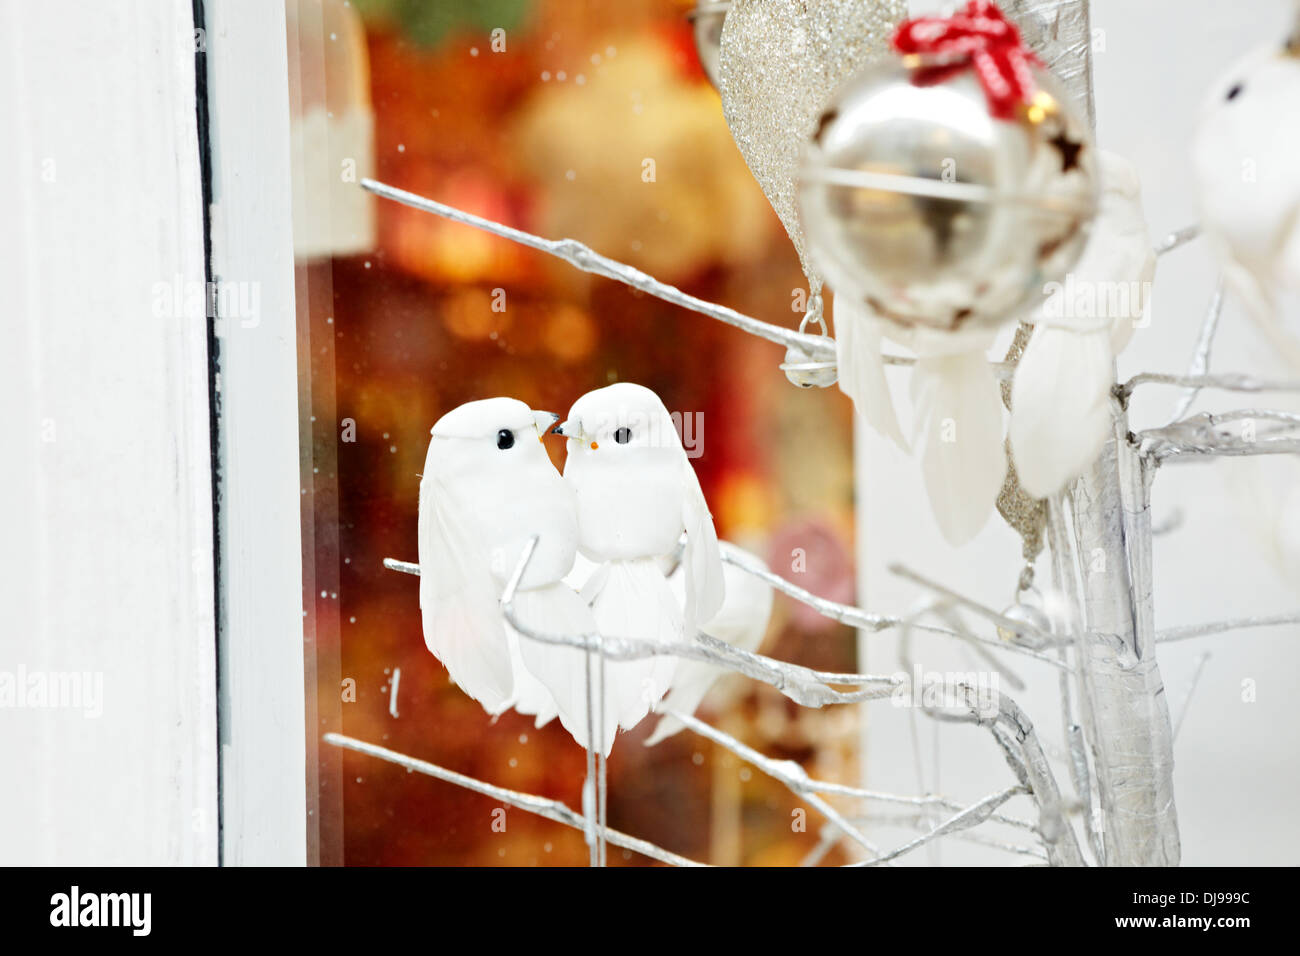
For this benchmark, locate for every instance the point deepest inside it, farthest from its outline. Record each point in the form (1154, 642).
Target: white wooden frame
(106, 493)
(106, 565)
(262, 716)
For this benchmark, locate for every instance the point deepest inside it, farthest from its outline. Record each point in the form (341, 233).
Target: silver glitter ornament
(936, 213)
(779, 62)
(706, 21)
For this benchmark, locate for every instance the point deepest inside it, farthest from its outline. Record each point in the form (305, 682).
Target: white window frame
(107, 550)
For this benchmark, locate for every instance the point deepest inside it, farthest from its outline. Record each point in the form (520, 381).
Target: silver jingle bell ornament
(802, 366)
(805, 371)
(934, 211)
(706, 21)
(1028, 614)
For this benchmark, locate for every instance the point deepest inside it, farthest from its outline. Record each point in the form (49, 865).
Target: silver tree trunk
(1104, 562)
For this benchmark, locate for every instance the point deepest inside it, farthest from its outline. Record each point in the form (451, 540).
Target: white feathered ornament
(1246, 157)
(637, 493)
(487, 488)
(741, 622)
(957, 410)
(1060, 399)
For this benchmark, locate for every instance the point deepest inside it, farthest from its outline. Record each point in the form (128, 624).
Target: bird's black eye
(1235, 91)
(505, 439)
(623, 436)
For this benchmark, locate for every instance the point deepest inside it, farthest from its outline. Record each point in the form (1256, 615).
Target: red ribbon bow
(981, 37)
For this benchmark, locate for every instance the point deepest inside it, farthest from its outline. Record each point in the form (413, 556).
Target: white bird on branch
(488, 487)
(637, 493)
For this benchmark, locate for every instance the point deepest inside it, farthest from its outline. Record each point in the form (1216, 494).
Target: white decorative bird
(487, 488)
(1060, 399)
(1246, 156)
(741, 622)
(637, 493)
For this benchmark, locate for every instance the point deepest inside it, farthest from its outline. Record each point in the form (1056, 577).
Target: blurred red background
(551, 135)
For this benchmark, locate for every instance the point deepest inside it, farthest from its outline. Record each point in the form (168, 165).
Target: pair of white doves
(605, 531)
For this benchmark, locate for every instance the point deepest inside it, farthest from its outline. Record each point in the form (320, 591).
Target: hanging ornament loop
(801, 367)
(814, 315)
(980, 38)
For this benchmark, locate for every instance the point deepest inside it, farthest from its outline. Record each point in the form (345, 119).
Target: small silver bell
(806, 372)
(800, 367)
(1035, 617)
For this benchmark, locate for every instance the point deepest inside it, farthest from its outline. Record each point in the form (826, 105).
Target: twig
(1019, 628)
(1010, 727)
(843, 613)
(588, 260)
(1220, 627)
(1226, 381)
(789, 773)
(916, 821)
(1191, 689)
(1200, 363)
(874, 623)
(1206, 436)
(971, 816)
(1177, 239)
(1167, 452)
(618, 649)
(818, 348)
(542, 806)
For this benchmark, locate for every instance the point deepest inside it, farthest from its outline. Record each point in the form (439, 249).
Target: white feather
(861, 369)
(632, 599)
(557, 610)
(530, 696)
(705, 584)
(741, 622)
(1060, 399)
(959, 434)
(1060, 405)
(461, 619)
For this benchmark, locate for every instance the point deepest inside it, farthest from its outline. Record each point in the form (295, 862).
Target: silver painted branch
(542, 806)
(999, 714)
(1061, 34)
(1207, 435)
(787, 772)
(1191, 689)
(588, 260)
(972, 816)
(1223, 627)
(1177, 239)
(1200, 364)
(1228, 382)
(866, 621)
(1126, 713)
(583, 257)
(925, 823)
(797, 781)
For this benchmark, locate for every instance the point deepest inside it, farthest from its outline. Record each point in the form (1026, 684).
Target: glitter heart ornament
(779, 63)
